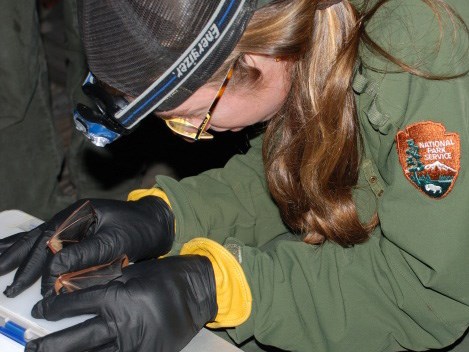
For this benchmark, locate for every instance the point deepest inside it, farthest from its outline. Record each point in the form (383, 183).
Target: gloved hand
(139, 229)
(156, 305)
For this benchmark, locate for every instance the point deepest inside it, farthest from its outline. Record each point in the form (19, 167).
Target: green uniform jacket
(408, 286)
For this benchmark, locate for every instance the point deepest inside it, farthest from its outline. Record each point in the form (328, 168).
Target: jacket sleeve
(408, 286)
(228, 202)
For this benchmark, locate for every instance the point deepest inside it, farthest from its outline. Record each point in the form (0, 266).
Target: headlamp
(113, 116)
(100, 124)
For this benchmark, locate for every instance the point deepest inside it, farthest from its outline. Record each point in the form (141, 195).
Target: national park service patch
(430, 157)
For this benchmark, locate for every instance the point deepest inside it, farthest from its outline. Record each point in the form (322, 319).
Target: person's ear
(259, 60)
(252, 60)
(272, 70)
(269, 66)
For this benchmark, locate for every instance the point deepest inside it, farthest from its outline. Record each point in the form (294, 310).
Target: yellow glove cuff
(234, 297)
(156, 192)
(140, 193)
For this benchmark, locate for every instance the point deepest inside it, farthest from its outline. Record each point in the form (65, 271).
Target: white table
(18, 309)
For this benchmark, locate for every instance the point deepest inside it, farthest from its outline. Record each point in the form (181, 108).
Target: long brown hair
(312, 146)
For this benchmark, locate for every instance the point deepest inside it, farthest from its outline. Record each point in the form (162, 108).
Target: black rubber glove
(139, 229)
(157, 305)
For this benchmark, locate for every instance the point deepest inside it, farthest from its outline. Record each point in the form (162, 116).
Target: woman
(362, 160)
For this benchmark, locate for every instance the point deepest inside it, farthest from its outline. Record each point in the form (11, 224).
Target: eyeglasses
(186, 129)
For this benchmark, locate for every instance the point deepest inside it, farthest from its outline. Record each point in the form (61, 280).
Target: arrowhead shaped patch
(430, 157)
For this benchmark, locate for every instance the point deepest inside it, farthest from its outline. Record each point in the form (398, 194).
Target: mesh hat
(166, 49)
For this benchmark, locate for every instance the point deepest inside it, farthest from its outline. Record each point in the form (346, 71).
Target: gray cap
(165, 48)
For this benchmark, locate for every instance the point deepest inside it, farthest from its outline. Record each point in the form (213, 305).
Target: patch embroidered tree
(413, 161)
